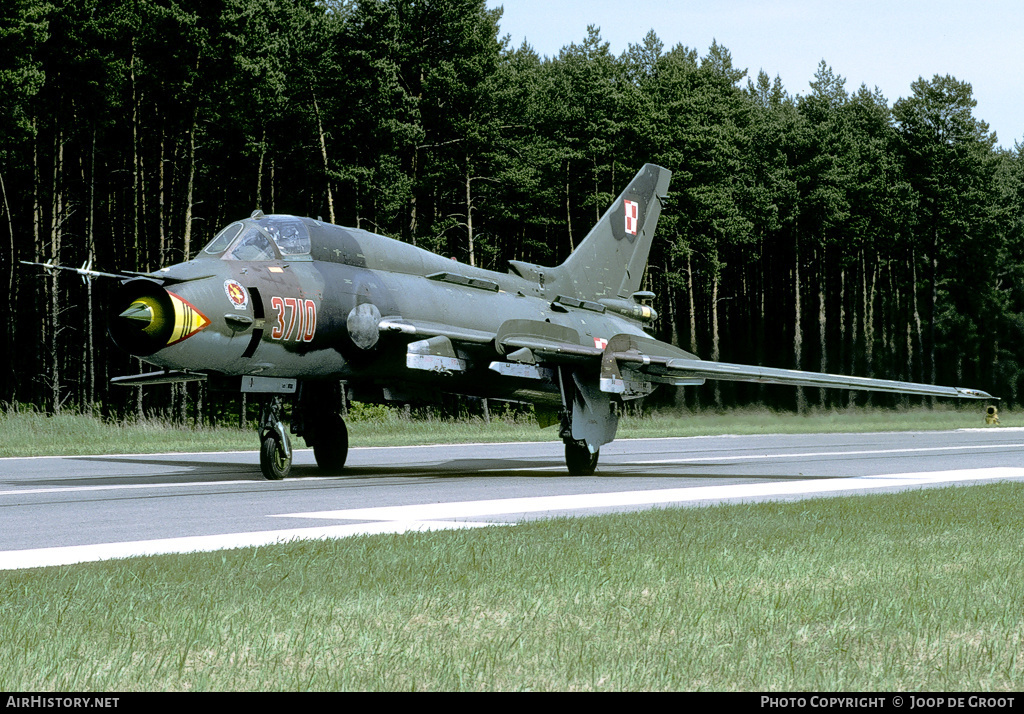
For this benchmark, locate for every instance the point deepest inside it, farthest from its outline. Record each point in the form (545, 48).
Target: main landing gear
(316, 420)
(587, 421)
(578, 458)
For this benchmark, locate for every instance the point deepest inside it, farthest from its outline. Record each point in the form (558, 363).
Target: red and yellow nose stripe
(184, 319)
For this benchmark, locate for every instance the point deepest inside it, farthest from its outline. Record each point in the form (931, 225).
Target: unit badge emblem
(238, 295)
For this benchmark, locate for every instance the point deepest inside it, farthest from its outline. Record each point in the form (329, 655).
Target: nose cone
(153, 318)
(139, 311)
(146, 315)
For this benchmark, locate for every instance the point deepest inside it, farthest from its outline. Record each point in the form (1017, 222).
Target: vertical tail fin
(610, 261)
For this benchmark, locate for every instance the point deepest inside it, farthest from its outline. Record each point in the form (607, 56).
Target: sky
(884, 44)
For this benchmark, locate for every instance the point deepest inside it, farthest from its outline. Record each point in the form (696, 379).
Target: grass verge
(912, 591)
(31, 433)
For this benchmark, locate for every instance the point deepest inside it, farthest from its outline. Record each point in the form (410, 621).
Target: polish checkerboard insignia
(632, 211)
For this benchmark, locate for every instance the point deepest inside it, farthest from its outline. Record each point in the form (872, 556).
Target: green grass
(31, 433)
(912, 591)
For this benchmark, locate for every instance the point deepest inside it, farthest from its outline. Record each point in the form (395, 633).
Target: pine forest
(822, 228)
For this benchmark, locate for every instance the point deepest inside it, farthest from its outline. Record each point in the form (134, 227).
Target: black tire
(579, 459)
(273, 462)
(331, 447)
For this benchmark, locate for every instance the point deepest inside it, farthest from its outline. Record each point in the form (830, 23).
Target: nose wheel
(275, 459)
(275, 447)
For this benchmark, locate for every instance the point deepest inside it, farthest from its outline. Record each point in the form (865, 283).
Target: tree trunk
(841, 356)
(715, 353)
(693, 305)
(693, 317)
(868, 315)
(823, 361)
(91, 345)
(37, 239)
(469, 216)
(671, 314)
(413, 218)
(188, 191)
(798, 335)
(259, 171)
(182, 390)
(934, 372)
(12, 301)
(851, 397)
(161, 216)
(56, 234)
(919, 331)
(568, 209)
(327, 170)
(136, 190)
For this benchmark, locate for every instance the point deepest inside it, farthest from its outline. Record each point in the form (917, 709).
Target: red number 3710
(296, 319)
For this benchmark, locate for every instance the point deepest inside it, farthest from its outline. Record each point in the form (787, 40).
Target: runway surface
(59, 510)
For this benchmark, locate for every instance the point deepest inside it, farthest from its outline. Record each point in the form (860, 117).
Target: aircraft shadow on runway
(245, 468)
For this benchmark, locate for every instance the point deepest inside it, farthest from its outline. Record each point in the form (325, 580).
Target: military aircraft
(285, 306)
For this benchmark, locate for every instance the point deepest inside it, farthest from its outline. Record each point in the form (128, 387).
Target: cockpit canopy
(261, 237)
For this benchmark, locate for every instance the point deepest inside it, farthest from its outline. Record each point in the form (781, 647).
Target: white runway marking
(814, 454)
(43, 557)
(442, 516)
(810, 487)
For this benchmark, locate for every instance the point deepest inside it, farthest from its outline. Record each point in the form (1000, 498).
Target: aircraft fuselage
(339, 312)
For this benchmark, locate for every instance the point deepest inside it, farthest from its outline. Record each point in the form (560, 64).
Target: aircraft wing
(628, 361)
(695, 368)
(692, 370)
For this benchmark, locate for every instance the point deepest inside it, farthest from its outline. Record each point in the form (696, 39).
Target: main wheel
(274, 463)
(579, 459)
(331, 447)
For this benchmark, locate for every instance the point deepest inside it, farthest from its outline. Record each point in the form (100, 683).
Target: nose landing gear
(315, 419)
(275, 446)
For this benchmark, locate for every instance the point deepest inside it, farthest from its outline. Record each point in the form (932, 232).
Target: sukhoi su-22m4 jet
(294, 307)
